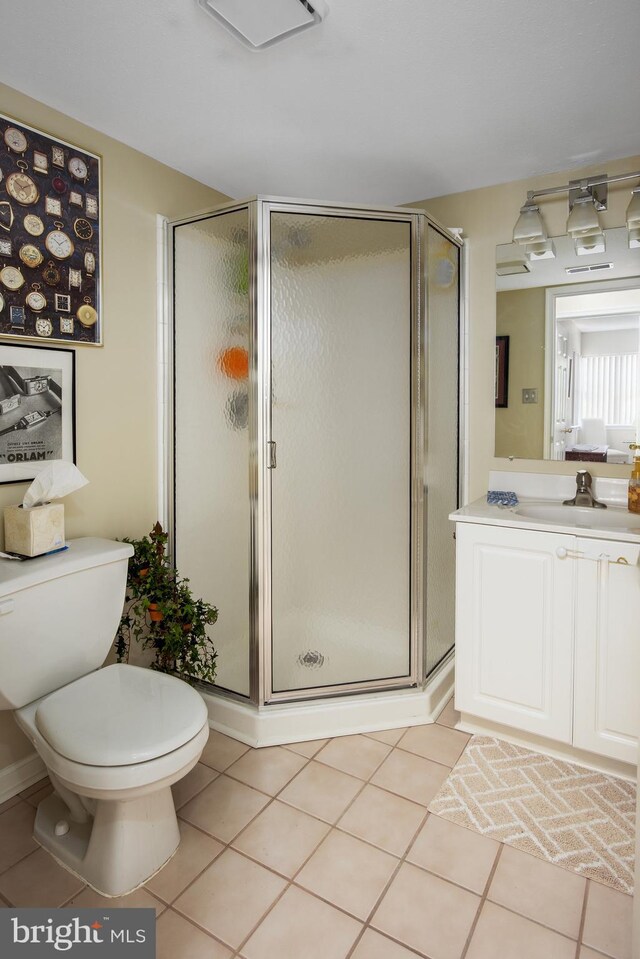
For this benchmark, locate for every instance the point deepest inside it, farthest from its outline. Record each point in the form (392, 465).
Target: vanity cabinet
(547, 635)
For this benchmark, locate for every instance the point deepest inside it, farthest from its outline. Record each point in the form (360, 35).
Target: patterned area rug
(555, 810)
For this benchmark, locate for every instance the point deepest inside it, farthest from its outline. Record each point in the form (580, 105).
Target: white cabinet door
(514, 627)
(607, 650)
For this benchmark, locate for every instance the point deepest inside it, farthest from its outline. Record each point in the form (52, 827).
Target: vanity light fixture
(587, 198)
(261, 23)
(633, 219)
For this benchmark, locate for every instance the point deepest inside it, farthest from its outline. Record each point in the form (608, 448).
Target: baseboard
(20, 775)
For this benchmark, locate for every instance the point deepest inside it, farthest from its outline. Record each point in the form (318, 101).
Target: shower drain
(312, 659)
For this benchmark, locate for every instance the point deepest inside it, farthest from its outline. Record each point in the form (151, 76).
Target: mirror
(567, 374)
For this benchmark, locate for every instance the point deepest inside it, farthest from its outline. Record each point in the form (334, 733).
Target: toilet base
(122, 845)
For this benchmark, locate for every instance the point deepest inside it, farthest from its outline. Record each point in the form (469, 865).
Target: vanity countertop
(614, 523)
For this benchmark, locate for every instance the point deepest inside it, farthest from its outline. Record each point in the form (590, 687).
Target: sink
(582, 516)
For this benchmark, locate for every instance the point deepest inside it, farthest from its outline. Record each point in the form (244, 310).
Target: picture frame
(37, 409)
(502, 372)
(48, 190)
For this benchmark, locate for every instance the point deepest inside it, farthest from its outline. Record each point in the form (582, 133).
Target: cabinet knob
(561, 552)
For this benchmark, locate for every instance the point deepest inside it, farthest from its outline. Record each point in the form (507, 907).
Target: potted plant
(161, 613)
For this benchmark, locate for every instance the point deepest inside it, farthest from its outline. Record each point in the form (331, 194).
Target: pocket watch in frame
(57, 156)
(78, 168)
(40, 162)
(6, 215)
(17, 317)
(75, 198)
(63, 302)
(91, 206)
(59, 185)
(33, 224)
(90, 262)
(30, 255)
(44, 326)
(35, 300)
(6, 247)
(15, 140)
(1, 302)
(11, 277)
(87, 315)
(53, 206)
(21, 187)
(66, 325)
(82, 228)
(58, 243)
(51, 274)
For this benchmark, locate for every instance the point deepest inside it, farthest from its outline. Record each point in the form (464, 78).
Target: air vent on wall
(596, 268)
(261, 23)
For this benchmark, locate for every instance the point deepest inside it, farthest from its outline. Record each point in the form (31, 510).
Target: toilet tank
(58, 616)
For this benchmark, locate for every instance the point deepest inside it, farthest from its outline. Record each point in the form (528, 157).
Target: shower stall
(312, 458)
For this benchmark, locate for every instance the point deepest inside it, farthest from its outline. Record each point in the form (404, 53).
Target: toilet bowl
(114, 740)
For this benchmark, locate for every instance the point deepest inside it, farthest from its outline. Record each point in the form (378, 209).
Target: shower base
(281, 723)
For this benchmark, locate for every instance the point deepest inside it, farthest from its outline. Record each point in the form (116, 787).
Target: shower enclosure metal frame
(260, 433)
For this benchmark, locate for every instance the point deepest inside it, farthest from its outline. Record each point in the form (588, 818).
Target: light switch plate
(530, 395)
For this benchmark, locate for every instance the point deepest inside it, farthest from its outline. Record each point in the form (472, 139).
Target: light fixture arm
(586, 183)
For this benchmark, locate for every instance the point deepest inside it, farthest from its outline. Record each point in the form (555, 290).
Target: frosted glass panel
(442, 443)
(341, 418)
(211, 428)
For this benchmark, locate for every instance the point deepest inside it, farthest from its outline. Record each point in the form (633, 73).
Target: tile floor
(325, 850)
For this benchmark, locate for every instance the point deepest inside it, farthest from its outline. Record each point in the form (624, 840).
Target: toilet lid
(120, 715)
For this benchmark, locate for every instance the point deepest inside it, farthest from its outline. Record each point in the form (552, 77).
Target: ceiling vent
(261, 23)
(596, 268)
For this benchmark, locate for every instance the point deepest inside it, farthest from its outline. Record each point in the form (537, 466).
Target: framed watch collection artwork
(50, 238)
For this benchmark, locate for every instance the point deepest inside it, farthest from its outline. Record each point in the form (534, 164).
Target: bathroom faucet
(584, 495)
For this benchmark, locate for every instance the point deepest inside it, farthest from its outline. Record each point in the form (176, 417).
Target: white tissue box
(31, 532)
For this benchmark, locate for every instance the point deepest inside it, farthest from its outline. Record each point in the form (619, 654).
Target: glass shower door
(342, 393)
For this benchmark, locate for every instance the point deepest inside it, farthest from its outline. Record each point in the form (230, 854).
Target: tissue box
(31, 532)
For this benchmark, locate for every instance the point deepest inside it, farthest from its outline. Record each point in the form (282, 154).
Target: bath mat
(555, 810)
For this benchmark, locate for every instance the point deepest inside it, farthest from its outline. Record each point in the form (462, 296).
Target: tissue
(57, 479)
(37, 526)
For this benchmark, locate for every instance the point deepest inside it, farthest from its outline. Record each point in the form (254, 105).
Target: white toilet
(114, 739)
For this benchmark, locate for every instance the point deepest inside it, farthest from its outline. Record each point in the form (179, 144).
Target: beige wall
(520, 426)
(116, 384)
(487, 217)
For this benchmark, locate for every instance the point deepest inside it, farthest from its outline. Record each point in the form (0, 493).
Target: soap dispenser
(634, 482)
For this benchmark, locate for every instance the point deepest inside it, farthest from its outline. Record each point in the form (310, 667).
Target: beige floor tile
(386, 820)
(427, 913)
(191, 784)
(36, 797)
(607, 925)
(449, 715)
(38, 880)
(454, 853)
(282, 837)
(539, 890)
(308, 749)
(138, 899)
(224, 808)
(500, 933)
(16, 828)
(435, 742)
(356, 755)
(194, 853)
(267, 769)
(374, 945)
(176, 938)
(302, 927)
(411, 776)
(221, 751)
(586, 953)
(349, 873)
(229, 898)
(321, 791)
(388, 736)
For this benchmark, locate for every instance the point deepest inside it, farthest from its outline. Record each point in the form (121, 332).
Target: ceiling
(387, 101)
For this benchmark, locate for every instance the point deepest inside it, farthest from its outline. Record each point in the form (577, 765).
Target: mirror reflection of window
(574, 374)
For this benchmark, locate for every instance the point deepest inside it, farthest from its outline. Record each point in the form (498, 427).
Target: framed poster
(502, 371)
(37, 409)
(50, 238)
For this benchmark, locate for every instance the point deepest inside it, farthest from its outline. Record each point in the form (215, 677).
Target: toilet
(113, 740)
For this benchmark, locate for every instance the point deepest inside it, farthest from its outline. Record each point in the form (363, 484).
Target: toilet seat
(120, 716)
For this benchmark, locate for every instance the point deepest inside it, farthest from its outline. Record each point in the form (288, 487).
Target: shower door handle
(271, 455)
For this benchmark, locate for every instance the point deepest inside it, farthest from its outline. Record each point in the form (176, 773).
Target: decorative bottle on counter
(634, 483)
